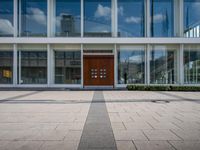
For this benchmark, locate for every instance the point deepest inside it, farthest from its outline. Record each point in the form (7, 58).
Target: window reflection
(68, 18)
(33, 18)
(162, 18)
(97, 18)
(6, 67)
(192, 65)
(191, 18)
(6, 18)
(131, 66)
(163, 65)
(67, 67)
(131, 18)
(33, 67)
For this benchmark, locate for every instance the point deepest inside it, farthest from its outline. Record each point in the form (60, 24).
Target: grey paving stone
(97, 132)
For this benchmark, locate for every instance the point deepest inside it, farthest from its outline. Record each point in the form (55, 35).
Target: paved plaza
(99, 120)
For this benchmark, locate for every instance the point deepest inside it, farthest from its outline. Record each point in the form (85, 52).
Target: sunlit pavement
(123, 120)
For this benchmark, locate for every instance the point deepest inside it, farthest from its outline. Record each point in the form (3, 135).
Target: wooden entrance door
(98, 70)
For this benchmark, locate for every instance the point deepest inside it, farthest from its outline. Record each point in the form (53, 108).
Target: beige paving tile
(60, 145)
(24, 145)
(153, 145)
(125, 145)
(160, 135)
(129, 135)
(137, 125)
(186, 145)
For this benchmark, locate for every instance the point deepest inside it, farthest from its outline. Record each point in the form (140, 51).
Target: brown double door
(98, 70)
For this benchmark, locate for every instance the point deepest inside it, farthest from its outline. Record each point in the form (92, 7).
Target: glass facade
(191, 18)
(68, 14)
(33, 67)
(139, 34)
(97, 18)
(6, 67)
(131, 65)
(6, 18)
(162, 18)
(131, 18)
(33, 18)
(163, 65)
(192, 64)
(67, 67)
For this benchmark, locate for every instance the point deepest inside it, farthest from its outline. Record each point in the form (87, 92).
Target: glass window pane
(68, 67)
(191, 18)
(33, 67)
(97, 18)
(33, 18)
(162, 18)
(131, 65)
(68, 18)
(163, 65)
(131, 18)
(192, 65)
(6, 67)
(6, 18)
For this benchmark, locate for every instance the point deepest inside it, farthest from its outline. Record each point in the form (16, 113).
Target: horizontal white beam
(99, 40)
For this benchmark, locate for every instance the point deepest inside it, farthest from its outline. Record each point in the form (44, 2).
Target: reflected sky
(6, 17)
(131, 18)
(68, 17)
(162, 18)
(192, 18)
(34, 18)
(97, 16)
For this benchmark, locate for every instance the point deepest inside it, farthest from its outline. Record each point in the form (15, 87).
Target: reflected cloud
(37, 15)
(159, 18)
(103, 12)
(121, 11)
(6, 27)
(133, 20)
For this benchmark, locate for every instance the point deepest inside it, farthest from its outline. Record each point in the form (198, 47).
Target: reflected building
(67, 25)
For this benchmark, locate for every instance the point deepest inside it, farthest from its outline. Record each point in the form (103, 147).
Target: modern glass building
(83, 43)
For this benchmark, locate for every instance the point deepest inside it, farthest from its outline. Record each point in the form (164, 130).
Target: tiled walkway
(123, 120)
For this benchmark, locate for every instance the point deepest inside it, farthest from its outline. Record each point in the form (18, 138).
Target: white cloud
(37, 15)
(159, 18)
(121, 11)
(133, 20)
(104, 12)
(6, 26)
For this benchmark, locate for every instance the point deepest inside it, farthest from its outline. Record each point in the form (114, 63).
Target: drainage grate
(160, 101)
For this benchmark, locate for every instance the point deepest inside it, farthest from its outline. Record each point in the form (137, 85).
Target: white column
(114, 18)
(49, 17)
(181, 20)
(82, 74)
(15, 18)
(115, 66)
(82, 18)
(147, 19)
(15, 65)
(181, 64)
(20, 18)
(49, 66)
(148, 64)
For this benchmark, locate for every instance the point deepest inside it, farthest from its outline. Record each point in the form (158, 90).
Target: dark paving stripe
(97, 132)
(19, 96)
